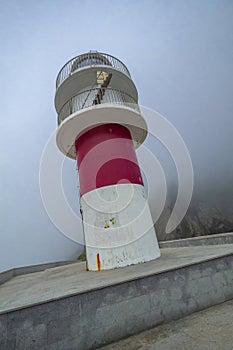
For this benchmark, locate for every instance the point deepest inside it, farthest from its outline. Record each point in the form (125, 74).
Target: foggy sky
(180, 55)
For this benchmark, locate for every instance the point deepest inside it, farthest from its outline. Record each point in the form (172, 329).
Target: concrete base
(18, 271)
(69, 308)
(213, 239)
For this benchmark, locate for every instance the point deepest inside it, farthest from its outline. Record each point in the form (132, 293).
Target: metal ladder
(100, 94)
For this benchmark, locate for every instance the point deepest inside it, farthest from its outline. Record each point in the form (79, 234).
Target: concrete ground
(63, 281)
(210, 329)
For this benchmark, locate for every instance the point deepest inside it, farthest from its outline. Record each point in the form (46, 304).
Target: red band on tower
(106, 156)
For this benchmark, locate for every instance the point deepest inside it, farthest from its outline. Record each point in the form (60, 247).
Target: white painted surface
(85, 119)
(118, 227)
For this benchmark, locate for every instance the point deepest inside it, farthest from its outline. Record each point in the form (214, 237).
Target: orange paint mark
(98, 261)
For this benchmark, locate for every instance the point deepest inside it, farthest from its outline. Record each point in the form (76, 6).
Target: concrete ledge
(213, 239)
(96, 308)
(17, 271)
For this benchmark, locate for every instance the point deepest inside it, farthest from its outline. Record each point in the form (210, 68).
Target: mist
(180, 56)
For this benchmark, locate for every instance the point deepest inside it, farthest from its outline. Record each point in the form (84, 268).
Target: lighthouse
(100, 126)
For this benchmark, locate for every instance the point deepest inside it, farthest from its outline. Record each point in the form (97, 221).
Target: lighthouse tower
(100, 125)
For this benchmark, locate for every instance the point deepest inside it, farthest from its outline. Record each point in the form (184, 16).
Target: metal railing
(86, 99)
(89, 59)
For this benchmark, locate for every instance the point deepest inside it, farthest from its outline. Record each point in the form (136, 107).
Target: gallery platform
(66, 307)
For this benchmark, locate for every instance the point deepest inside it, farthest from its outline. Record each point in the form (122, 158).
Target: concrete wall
(216, 239)
(7, 275)
(101, 316)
